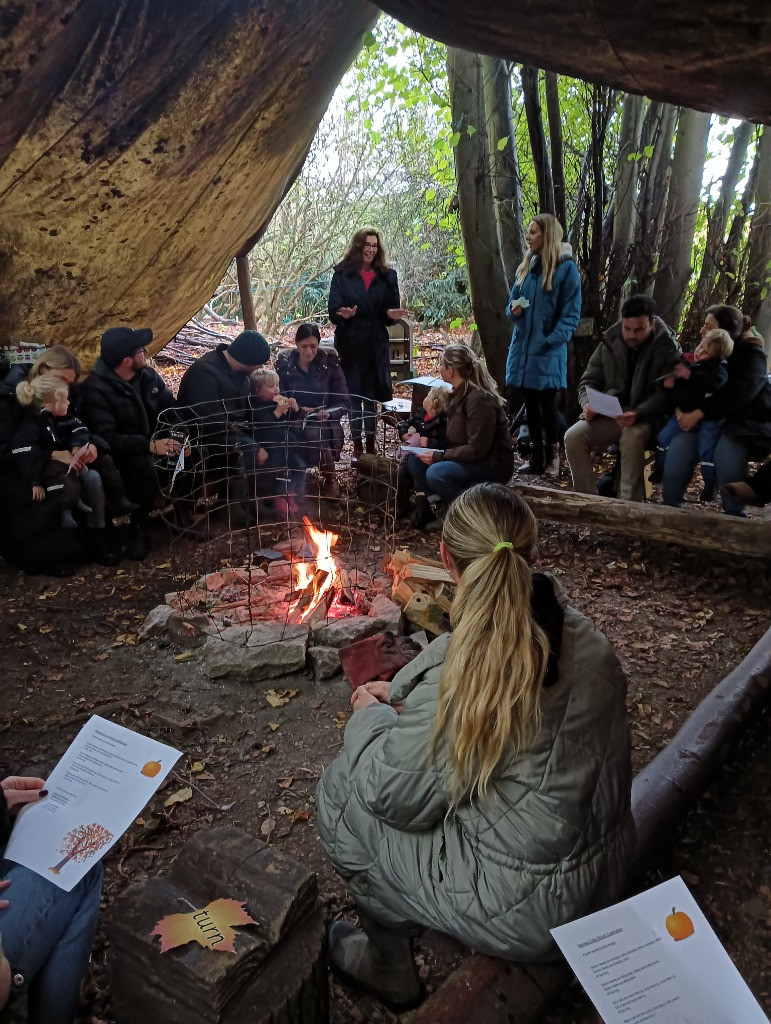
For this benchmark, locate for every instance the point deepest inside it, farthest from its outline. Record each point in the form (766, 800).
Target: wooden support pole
(728, 534)
(245, 291)
(493, 991)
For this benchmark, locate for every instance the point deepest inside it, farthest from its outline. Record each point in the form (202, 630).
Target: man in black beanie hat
(121, 400)
(216, 390)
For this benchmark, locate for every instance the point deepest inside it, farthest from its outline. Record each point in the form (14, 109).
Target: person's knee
(577, 436)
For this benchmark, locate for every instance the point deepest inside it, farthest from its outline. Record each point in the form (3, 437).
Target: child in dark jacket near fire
(693, 380)
(282, 467)
(426, 429)
(43, 446)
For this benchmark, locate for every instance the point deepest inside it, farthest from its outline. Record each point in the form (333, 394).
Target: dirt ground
(679, 620)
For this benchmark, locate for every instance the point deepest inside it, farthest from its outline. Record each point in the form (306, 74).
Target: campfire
(321, 582)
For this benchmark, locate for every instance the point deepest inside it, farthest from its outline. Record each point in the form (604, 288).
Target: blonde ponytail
(39, 391)
(472, 369)
(490, 690)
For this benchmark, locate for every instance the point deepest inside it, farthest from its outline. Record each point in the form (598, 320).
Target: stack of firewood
(424, 589)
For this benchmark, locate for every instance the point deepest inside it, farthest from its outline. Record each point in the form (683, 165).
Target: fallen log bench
(278, 973)
(729, 534)
(488, 990)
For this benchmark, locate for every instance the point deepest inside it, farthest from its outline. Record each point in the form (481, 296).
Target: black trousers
(542, 415)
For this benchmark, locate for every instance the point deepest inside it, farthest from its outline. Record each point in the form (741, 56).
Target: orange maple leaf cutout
(211, 927)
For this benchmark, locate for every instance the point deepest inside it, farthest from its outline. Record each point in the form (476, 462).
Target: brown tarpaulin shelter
(143, 142)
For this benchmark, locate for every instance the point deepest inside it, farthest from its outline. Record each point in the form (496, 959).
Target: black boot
(182, 523)
(137, 544)
(552, 466)
(100, 550)
(537, 462)
(424, 518)
(375, 960)
(708, 491)
(403, 491)
(123, 507)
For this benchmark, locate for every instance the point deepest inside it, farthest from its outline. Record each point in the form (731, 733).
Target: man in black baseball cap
(121, 400)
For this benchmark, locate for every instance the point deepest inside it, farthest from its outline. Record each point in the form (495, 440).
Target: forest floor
(680, 622)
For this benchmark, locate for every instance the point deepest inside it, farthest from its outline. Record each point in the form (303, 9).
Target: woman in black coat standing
(363, 301)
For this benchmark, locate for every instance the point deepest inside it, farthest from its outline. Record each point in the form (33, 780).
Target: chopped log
(321, 610)
(729, 535)
(432, 573)
(443, 596)
(503, 992)
(402, 593)
(307, 595)
(423, 610)
(378, 466)
(402, 557)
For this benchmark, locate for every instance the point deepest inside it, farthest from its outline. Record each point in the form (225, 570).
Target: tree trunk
(245, 291)
(487, 279)
(624, 205)
(532, 101)
(680, 218)
(555, 144)
(602, 104)
(757, 303)
(716, 226)
(729, 286)
(505, 165)
(657, 133)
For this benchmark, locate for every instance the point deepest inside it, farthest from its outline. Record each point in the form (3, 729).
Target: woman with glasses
(363, 301)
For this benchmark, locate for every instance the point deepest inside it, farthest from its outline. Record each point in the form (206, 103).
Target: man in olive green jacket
(629, 362)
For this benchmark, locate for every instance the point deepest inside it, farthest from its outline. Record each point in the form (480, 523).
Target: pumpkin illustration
(151, 769)
(679, 925)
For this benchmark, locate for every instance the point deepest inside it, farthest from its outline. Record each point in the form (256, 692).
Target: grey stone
(341, 632)
(189, 628)
(156, 622)
(260, 651)
(280, 571)
(325, 661)
(383, 607)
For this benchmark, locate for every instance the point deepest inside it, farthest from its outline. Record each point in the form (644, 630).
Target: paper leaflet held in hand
(180, 462)
(77, 456)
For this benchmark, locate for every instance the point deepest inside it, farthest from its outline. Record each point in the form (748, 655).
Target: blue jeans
(708, 432)
(47, 935)
(730, 460)
(449, 479)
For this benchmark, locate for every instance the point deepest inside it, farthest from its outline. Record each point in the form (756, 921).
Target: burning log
(308, 594)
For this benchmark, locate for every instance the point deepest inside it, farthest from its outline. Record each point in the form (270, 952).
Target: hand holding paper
(602, 404)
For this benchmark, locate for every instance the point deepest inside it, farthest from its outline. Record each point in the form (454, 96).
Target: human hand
(21, 789)
(323, 415)
(62, 456)
(262, 456)
(669, 381)
(361, 698)
(424, 442)
(346, 312)
(38, 493)
(689, 420)
(682, 372)
(397, 314)
(627, 419)
(515, 309)
(165, 446)
(379, 689)
(588, 412)
(90, 454)
(4, 883)
(427, 457)
(293, 405)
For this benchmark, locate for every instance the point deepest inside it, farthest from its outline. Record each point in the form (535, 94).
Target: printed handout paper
(414, 449)
(654, 959)
(105, 778)
(602, 404)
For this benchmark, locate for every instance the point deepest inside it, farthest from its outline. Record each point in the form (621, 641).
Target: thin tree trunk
(680, 219)
(487, 280)
(245, 291)
(624, 205)
(757, 303)
(602, 104)
(658, 128)
(716, 226)
(555, 145)
(506, 186)
(532, 101)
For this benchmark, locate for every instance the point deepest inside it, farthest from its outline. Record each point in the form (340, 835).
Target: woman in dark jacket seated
(478, 439)
(745, 405)
(313, 377)
(485, 792)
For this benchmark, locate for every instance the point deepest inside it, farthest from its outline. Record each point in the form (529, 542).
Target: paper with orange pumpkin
(655, 958)
(211, 927)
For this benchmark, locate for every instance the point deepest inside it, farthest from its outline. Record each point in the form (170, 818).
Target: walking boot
(99, 549)
(536, 463)
(742, 491)
(123, 507)
(137, 543)
(369, 444)
(424, 518)
(376, 961)
(552, 467)
(403, 490)
(708, 491)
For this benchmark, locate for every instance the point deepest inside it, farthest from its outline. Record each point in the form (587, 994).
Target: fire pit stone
(383, 607)
(262, 650)
(325, 661)
(341, 632)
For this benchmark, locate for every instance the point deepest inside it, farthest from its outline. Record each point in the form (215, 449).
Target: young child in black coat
(426, 429)
(691, 381)
(39, 445)
(274, 418)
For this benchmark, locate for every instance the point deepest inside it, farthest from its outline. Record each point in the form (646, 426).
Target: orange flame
(323, 541)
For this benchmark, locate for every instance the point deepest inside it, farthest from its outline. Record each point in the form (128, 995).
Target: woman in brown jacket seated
(479, 445)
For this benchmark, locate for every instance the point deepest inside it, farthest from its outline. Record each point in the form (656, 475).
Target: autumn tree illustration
(82, 842)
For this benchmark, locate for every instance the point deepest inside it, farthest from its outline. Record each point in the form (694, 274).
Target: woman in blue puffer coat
(545, 306)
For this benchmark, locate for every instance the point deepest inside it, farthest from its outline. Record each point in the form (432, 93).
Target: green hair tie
(502, 544)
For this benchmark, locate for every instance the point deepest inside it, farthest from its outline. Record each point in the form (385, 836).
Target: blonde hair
(57, 357)
(490, 690)
(471, 369)
(263, 375)
(720, 342)
(40, 391)
(550, 254)
(438, 398)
